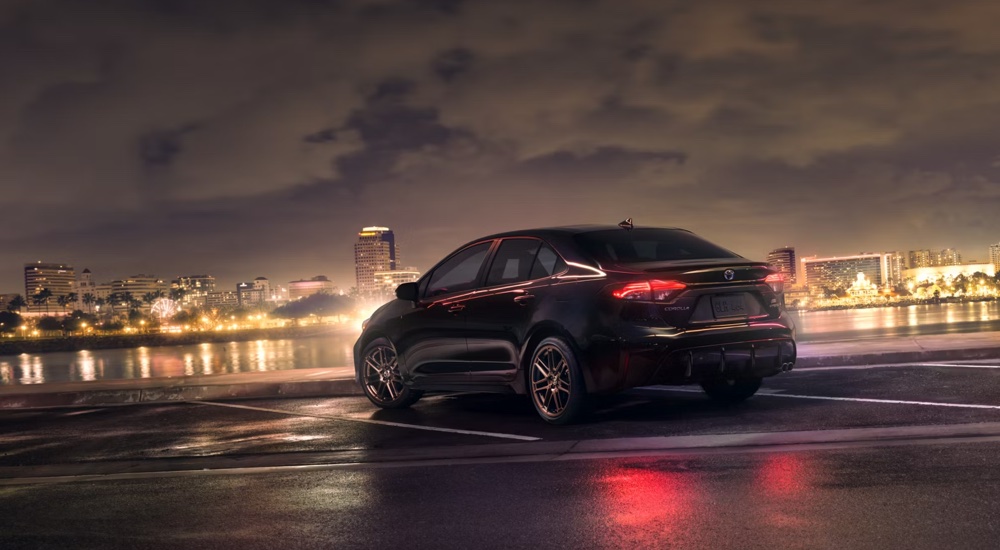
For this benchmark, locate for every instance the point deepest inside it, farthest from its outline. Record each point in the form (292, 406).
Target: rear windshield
(648, 245)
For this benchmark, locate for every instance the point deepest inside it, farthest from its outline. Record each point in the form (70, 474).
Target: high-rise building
(841, 272)
(139, 287)
(783, 259)
(948, 256)
(85, 286)
(254, 293)
(995, 256)
(374, 251)
(895, 268)
(920, 258)
(316, 285)
(58, 279)
(195, 289)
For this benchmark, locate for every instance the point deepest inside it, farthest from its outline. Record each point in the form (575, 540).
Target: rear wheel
(381, 380)
(732, 390)
(555, 382)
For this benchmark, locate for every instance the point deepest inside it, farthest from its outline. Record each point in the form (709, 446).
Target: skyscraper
(58, 279)
(374, 251)
(783, 259)
(895, 265)
(995, 256)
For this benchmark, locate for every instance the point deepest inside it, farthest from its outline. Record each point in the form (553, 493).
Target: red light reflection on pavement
(784, 475)
(645, 507)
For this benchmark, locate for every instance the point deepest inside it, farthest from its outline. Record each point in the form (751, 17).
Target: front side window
(513, 261)
(459, 272)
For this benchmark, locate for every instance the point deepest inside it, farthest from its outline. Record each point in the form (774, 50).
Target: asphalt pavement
(880, 455)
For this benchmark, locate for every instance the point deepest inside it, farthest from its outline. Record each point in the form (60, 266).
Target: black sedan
(563, 313)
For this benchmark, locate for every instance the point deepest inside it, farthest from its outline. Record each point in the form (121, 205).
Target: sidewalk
(339, 381)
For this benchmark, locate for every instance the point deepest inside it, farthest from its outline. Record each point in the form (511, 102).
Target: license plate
(728, 305)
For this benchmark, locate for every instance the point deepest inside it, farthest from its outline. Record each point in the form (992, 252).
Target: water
(328, 351)
(915, 320)
(336, 350)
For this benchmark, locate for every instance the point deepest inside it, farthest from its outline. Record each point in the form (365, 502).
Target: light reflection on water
(171, 361)
(847, 320)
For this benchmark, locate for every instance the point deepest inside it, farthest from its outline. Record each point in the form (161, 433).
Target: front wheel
(555, 382)
(381, 381)
(732, 390)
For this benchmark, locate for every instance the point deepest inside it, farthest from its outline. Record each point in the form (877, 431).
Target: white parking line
(371, 421)
(959, 366)
(893, 365)
(855, 399)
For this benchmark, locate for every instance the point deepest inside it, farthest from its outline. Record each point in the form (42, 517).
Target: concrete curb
(898, 357)
(174, 394)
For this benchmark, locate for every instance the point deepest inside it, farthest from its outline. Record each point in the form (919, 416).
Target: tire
(555, 382)
(731, 390)
(380, 378)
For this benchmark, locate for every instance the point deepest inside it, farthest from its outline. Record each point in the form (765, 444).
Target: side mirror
(408, 291)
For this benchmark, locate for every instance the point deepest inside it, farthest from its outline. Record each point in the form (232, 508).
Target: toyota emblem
(729, 274)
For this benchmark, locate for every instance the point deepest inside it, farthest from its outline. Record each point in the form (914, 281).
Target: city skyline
(161, 138)
(987, 257)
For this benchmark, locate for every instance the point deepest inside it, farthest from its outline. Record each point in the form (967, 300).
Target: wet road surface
(893, 456)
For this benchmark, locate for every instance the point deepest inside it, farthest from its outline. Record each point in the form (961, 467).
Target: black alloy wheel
(731, 390)
(555, 382)
(381, 380)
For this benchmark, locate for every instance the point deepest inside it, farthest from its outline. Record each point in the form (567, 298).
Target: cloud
(179, 127)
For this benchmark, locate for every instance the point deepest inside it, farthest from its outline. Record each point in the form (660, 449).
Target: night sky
(248, 137)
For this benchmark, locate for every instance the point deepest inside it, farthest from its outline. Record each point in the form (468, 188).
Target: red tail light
(776, 281)
(654, 290)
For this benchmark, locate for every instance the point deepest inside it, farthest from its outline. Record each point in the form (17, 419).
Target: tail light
(776, 281)
(648, 291)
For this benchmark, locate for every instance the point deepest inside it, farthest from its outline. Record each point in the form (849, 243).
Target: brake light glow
(653, 290)
(776, 281)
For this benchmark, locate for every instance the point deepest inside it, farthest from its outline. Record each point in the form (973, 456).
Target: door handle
(524, 299)
(455, 308)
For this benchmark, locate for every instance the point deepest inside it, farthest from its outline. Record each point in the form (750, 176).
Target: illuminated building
(948, 272)
(783, 259)
(195, 288)
(254, 293)
(895, 265)
(59, 279)
(138, 286)
(995, 256)
(920, 258)
(375, 251)
(948, 256)
(303, 288)
(222, 299)
(84, 286)
(387, 281)
(842, 272)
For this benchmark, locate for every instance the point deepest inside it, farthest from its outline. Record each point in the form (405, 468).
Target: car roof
(565, 230)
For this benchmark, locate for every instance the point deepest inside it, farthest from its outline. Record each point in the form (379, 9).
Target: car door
(502, 311)
(431, 338)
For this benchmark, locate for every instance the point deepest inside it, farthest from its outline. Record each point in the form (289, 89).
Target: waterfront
(335, 349)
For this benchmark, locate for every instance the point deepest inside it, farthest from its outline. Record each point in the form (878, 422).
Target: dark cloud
(255, 137)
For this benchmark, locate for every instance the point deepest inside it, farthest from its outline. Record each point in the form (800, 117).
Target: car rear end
(681, 310)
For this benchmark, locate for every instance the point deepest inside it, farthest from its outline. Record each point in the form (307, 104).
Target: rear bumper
(658, 357)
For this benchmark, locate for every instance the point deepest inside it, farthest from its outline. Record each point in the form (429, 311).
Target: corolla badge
(729, 274)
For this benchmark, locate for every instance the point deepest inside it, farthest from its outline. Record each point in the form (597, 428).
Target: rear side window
(547, 263)
(459, 272)
(513, 261)
(648, 245)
